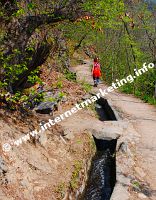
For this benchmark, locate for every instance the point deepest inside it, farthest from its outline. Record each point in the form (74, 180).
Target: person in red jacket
(96, 72)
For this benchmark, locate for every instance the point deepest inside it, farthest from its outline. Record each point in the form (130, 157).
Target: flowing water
(102, 175)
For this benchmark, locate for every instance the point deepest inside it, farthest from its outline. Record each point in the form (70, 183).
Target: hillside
(64, 135)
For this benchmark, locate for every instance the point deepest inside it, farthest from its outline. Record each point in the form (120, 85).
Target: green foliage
(136, 184)
(34, 78)
(20, 12)
(50, 99)
(93, 145)
(11, 71)
(61, 95)
(128, 88)
(31, 6)
(60, 84)
(122, 48)
(108, 32)
(75, 175)
(70, 76)
(14, 98)
(32, 99)
(105, 9)
(86, 86)
(61, 189)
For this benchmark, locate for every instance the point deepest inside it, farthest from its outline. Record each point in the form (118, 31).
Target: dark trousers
(96, 80)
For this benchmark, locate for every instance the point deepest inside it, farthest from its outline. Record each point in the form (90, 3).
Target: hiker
(96, 72)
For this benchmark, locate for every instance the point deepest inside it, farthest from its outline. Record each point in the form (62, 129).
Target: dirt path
(142, 117)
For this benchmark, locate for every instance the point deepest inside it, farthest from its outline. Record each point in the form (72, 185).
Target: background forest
(121, 33)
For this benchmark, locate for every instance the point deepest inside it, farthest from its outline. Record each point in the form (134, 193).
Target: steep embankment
(51, 165)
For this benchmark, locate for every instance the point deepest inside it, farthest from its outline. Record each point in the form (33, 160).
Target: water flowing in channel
(102, 175)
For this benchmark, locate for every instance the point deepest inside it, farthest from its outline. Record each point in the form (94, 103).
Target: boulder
(45, 107)
(49, 103)
(3, 167)
(107, 133)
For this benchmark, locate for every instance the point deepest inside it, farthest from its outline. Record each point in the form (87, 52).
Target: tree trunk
(21, 29)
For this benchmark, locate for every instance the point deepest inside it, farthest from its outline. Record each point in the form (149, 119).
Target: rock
(142, 196)
(68, 134)
(140, 172)
(3, 171)
(49, 103)
(107, 133)
(3, 167)
(123, 147)
(43, 139)
(98, 106)
(123, 179)
(45, 107)
(25, 183)
(38, 188)
(64, 99)
(120, 193)
(85, 97)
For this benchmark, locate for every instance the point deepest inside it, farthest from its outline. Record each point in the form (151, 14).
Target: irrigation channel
(102, 175)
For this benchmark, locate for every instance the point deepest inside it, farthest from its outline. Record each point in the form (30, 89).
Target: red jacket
(96, 71)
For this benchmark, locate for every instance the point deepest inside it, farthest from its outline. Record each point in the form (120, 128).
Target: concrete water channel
(102, 174)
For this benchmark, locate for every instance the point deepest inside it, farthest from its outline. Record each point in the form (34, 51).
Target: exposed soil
(52, 165)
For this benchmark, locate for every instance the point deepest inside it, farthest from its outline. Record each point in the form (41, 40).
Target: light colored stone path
(142, 117)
